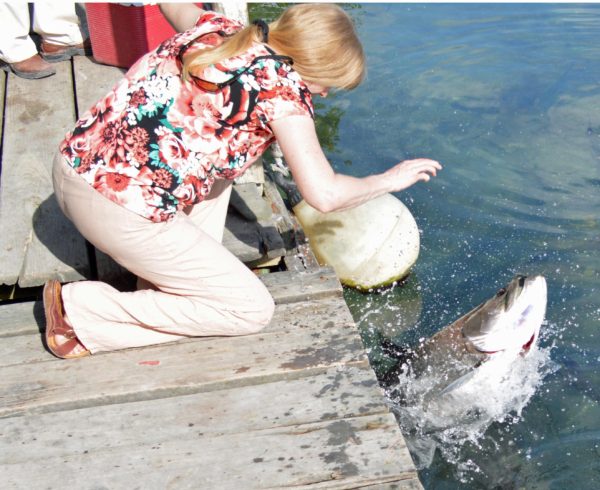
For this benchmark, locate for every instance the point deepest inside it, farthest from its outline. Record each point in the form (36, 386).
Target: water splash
(463, 433)
(449, 420)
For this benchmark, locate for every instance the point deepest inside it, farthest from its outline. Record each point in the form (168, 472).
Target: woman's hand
(409, 172)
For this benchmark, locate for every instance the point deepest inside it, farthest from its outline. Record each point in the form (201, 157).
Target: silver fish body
(451, 387)
(508, 324)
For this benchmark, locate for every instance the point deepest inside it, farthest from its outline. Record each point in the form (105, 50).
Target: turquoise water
(507, 97)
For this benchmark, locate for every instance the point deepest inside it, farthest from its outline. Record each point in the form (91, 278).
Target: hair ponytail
(320, 38)
(196, 62)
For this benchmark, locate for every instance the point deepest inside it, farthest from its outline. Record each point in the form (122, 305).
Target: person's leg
(202, 288)
(17, 49)
(208, 215)
(58, 25)
(15, 43)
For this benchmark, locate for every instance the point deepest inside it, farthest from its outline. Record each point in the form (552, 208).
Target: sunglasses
(216, 86)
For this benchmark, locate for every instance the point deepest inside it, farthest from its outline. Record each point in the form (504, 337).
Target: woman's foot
(61, 339)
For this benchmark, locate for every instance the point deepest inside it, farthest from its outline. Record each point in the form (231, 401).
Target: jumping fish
(477, 370)
(506, 325)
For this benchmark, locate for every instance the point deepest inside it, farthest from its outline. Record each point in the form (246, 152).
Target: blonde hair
(320, 38)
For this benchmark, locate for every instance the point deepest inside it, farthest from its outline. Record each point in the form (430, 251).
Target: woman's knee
(261, 313)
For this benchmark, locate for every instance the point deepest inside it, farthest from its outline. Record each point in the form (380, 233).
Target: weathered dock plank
(346, 391)
(338, 454)
(251, 241)
(37, 241)
(26, 349)
(21, 318)
(247, 199)
(304, 337)
(280, 431)
(249, 202)
(291, 287)
(241, 238)
(227, 411)
(281, 215)
(92, 81)
(286, 287)
(300, 256)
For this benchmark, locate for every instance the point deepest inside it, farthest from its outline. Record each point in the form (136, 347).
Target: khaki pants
(193, 286)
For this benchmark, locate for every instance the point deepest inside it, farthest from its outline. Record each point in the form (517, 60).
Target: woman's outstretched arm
(328, 191)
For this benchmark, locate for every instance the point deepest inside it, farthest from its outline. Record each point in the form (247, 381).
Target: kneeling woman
(146, 174)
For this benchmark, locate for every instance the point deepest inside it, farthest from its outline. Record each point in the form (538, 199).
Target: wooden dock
(296, 405)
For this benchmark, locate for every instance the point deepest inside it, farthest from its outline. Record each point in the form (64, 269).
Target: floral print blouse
(156, 143)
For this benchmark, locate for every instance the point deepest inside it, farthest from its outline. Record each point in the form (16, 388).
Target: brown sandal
(56, 326)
